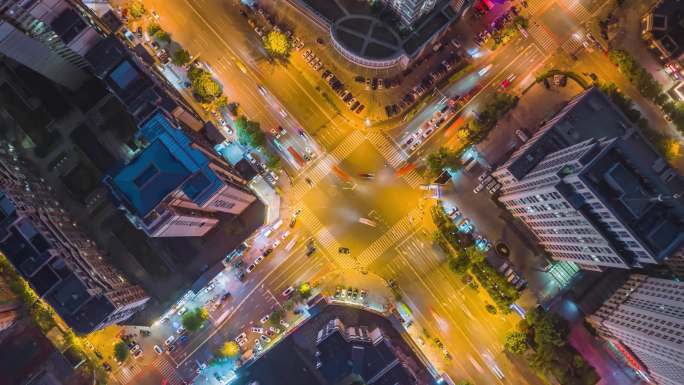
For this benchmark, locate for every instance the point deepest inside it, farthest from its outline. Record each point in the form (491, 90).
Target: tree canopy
(153, 28)
(442, 159)
(204, 87)
(516, 342)
(181, 57)
(162, 36)
(192, 320)
(277, 44)
(137, 9)
(229, 349)
(249, 132)
(121, 351)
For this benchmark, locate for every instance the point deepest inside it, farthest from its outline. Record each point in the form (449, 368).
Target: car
(414, 146)
(361, 107)
(169, 340)
(483, 176)
(275, 330)
(182, 311)
(306, 54)
(355, 293)
(225, 296)
(284, 324)
(183, 339)
(446, 65)
(318, 66)
(155, 15)
(259, 31)
(265, 338)
(241, 337)
(258, 259)
(107, 366)
(522, 135)
(344, 94)
(381, 83)
(137, 353)
(310, 251)
(368, 84)
(285, 235)
(256, 329)
(362, 295)
(349, 293)
(287, 292)
(264, 319)
(478, 188)
(343, 250)
(267, 252)
(351, 101)
(455, 43)
(241, 342)
(276, 243)
(240, 276)
(494, 188)
(428, 132)
(355, 105)
(250, 268)
(491, 184)
(282, 112)
(171, 348)
(257, 345)
(180, 330)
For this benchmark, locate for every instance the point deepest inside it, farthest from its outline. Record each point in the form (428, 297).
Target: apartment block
(60, 262)
(594, 191)
(175, 187)
(644, 319)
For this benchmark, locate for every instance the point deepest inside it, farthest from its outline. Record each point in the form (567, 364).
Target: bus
(296, 156)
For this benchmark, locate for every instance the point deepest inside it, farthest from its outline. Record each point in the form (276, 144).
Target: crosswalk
(324, 238)
(413, 179)
(315, 174)
(348, 145)
(127, 373)
(543, 37)
(397, 232)
(571, 45)
(386, 148)
(167, 371)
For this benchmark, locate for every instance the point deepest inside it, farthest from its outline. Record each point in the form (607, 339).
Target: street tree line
(467, 261)
(541, 339)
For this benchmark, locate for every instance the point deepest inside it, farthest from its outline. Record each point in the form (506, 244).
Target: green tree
(194, 319)
(277, 44)
(229, 349)
(121, 351)
(442, 159)
(490, 308)
(137, 9)
(162, 36)
(205, 88)
(249, 133)
(153, 28)
(460, 264)
(181, 57)
(305, 290)
(516, 342)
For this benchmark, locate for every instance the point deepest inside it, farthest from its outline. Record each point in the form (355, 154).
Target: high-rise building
(176, 187)
(644, 319)
(48, 36)
(61, 263)
(410, 10)
(594, 191)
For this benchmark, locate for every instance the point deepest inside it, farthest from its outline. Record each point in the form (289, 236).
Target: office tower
(48, 36)
(176, 187)
(410, 10)
(609, 201)
(644, 319)
(59, 261)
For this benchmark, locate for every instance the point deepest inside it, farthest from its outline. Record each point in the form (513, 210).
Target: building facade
(176, 187)
(597, 198)
(645, 320)
(61, 263)
(48, 36)
(410, 10)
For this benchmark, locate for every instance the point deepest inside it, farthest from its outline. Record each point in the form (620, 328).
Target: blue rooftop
(168, 163)
(124, 75)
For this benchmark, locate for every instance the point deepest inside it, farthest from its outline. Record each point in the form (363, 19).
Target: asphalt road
(335, 197)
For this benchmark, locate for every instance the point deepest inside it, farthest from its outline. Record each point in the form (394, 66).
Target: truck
(296, 156)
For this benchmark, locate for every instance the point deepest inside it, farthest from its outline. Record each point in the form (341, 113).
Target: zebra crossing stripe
(386, 148)
(413, 179)
(350, 143)
(571, 45)
(397, 232)
(315, 174)
(543, 37)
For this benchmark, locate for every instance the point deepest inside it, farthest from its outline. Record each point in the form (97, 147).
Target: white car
(276, 243)
(258, 259)
(288, 291)
(285, 235)
(158, 349)
(250, 268)
(257, 330)
(282, 113)
(169, 340)
(180, 330)
(265, 338)
(241, 337)
(274, 330)
(264, 319)
(182, 310)
(284, 324)
(261, 90)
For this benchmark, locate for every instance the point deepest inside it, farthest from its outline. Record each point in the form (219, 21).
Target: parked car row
(351, 294)
(487, 181)
(438, 118)
(311, 59)
(378, 83)
(344, 94)
(512, 276)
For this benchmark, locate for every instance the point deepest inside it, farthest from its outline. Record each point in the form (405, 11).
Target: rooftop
(667, 27)
(167, 164)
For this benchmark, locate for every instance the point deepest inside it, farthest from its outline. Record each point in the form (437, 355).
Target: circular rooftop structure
(366, 41)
